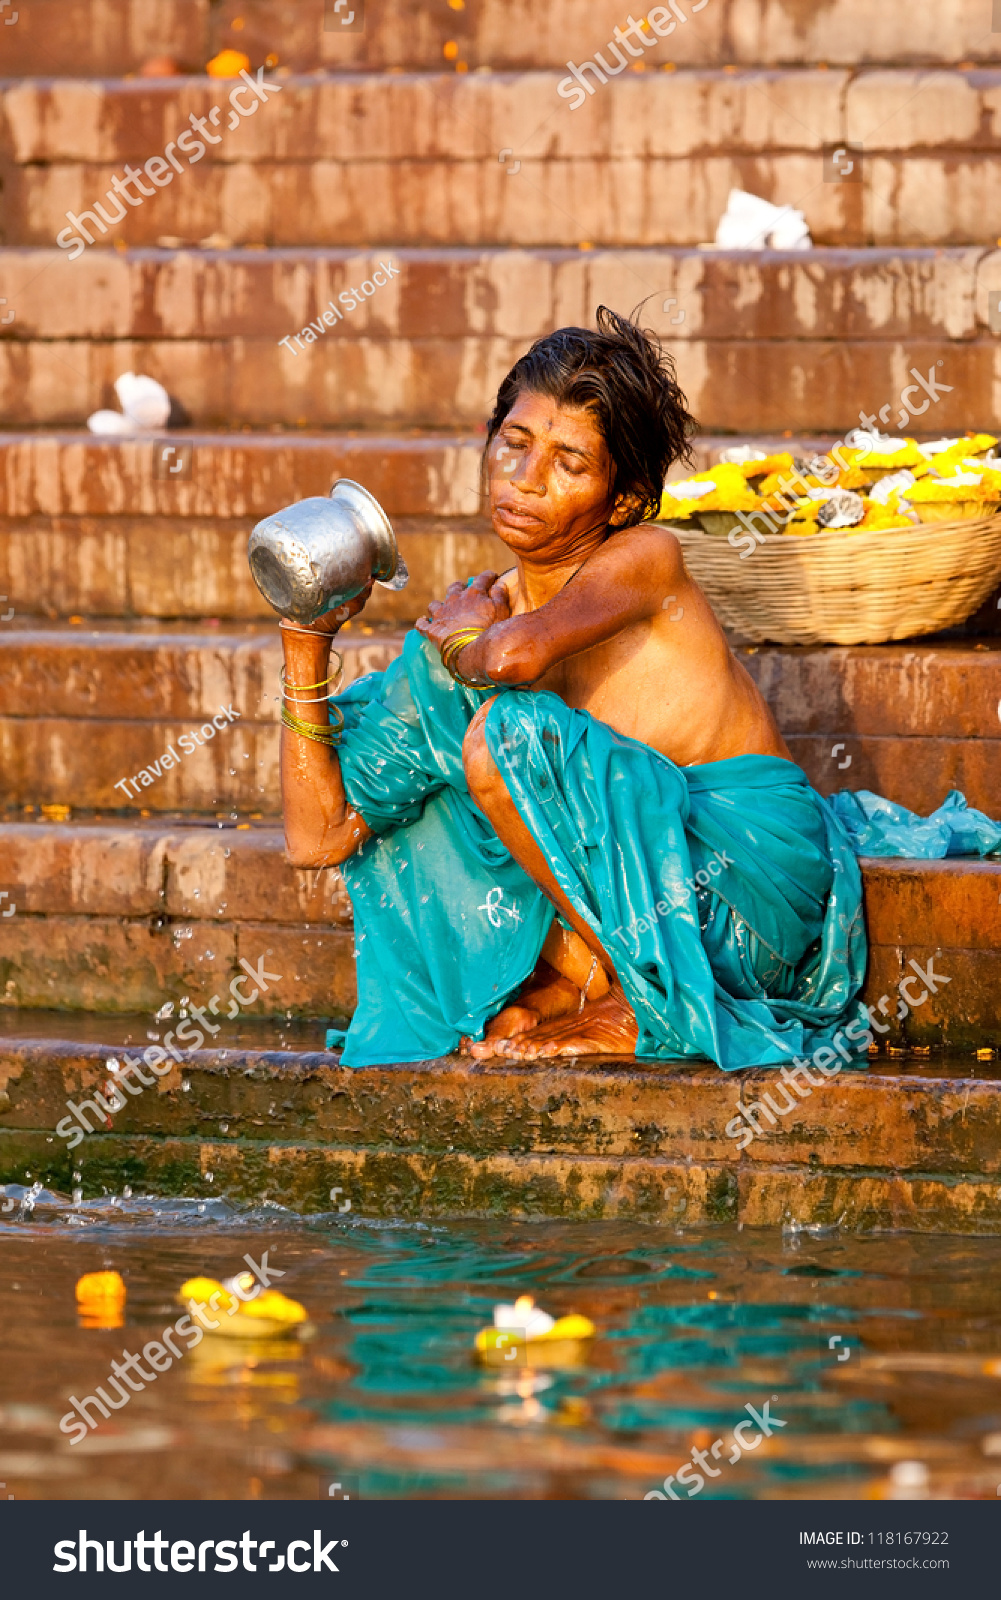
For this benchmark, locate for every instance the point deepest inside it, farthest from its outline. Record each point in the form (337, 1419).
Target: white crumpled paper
(145, 407)
(750, 223)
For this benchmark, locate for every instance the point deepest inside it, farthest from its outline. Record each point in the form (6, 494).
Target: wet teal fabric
(878, 827)
(728, 895)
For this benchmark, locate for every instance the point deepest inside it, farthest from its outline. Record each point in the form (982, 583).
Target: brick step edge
(869, 1120)
(455, 1185)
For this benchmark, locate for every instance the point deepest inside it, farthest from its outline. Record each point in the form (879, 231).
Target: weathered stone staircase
(435, 141)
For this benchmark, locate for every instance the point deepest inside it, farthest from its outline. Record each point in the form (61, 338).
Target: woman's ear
(625, 506)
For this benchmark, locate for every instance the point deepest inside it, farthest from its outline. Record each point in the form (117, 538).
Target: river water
(878, 1358)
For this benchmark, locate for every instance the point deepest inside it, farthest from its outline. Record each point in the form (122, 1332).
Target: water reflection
(875, 1352)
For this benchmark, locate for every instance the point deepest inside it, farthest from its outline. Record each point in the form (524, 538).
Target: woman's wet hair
(625, 377)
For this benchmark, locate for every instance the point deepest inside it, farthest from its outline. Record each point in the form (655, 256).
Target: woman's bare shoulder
(652, 544)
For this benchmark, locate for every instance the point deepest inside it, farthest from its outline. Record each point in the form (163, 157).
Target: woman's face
(550, 476)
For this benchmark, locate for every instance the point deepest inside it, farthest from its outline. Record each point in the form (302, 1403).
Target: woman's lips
(515, 516)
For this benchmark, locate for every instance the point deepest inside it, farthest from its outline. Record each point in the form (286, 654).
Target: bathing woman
(566, 818)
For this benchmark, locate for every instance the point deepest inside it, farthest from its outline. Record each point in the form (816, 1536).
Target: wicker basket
(837, 586)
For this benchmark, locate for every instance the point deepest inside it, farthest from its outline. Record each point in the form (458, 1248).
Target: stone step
(69, 38)
(910, 721)
(205, 696)
(114, 916)
(228, 333)
(196, 567)
(88, 529)
(905, 1144)
(429, 159)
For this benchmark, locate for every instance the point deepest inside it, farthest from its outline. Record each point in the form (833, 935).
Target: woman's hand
(332, 621)
(484, 602)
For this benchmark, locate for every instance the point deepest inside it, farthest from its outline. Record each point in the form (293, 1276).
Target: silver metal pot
(313, 556)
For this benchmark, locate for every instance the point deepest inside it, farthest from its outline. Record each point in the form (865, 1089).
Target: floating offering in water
(100, 1300)
(263, 1315)
(526, 1324)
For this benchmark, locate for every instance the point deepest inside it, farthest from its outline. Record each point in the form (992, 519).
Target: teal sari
(728, 895)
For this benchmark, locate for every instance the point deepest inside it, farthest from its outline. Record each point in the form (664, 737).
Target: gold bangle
(467, 635)
(454, 645)
(282, 679)
(321, 733)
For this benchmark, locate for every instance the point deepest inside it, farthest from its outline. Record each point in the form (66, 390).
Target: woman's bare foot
(544, 998)
(605, 1027)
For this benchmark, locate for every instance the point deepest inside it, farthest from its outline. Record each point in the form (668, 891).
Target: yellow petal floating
(528, 1336)
(572, 1327)
(100, 1300)
(268, 1314)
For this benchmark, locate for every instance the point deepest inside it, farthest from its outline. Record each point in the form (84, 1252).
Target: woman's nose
(529, 473)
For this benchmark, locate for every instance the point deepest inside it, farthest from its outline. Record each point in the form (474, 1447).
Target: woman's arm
(628, 578)
(321, 829)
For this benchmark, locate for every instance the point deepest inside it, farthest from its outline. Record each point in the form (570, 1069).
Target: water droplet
(77, 1176)
(77, 1196)
(209, 1176)
(126, 1193)
(226, 852)
(185, 1085)
(224, 1127)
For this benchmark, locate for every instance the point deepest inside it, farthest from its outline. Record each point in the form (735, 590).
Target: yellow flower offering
(267, 1314)
(945, 455)
(959, 498)
(725, 488)
(761, 468)
(100, 1300)
(524, 1323)
(888, 515)
(891, 454)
